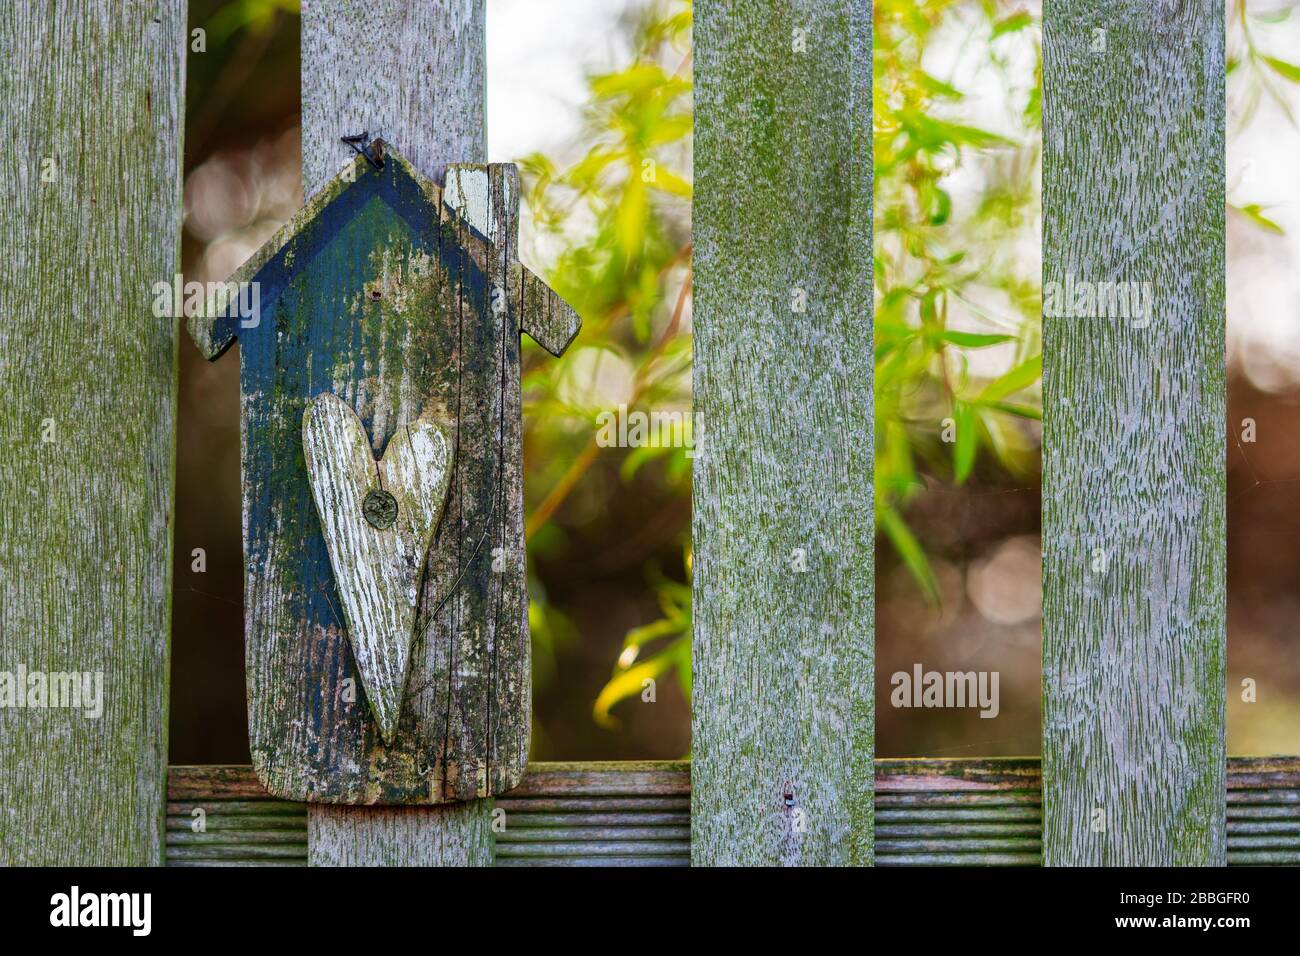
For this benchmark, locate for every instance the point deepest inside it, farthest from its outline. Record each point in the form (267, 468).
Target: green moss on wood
(85, 517)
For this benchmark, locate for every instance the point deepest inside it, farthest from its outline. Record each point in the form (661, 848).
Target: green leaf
(963, 452)
(937, 87)
(973, 340)
(1254, 212)
(640, 636)
(1018, 379)
(934, 134)
(638, 457)
(909, 549)
(1017, 21)
(593, 164)
(627, 684)
(1020, 411)
(632, 217)
(683, 649)
(637, 78)
(670, 182)
(929, 313)
(1288, 71)
(941, 208)
(669, 129)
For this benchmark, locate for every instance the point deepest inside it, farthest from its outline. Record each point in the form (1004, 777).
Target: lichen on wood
(93, 117)
(413, 74)
(378, 519)
(1133, 448)
(384, 307)
(783, 726)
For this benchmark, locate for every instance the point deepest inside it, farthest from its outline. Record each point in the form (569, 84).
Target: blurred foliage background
(958, 364)
(607, 220)
(618, 218)
(1263, 375)
(957, 263)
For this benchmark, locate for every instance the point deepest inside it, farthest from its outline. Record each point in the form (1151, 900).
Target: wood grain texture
(972, 812)
(381, 295)
(429, 60)
(93, 94)
(1133, 460)
(377, 559)
(548, 319)
(604, 779)
(412, 73)
(783, 720)
(454, 835)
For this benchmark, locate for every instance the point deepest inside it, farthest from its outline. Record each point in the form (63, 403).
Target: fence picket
(1133, 446)
(783, 698)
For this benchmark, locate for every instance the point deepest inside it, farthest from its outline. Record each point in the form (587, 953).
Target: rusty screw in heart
(380, 509)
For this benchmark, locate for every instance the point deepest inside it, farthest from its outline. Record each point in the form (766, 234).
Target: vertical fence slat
(1133, 456)
(413, 74)
(93, 96)
(784, 613)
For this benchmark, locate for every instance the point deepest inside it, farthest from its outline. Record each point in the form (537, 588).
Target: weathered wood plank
(378, 520)
(413, 74)
(93, 96)
(251, 822)
(390, 296)
(604, 779)
(454, 834)
(958, 796)
(200, 862)
(548, 319)
(603, 862)
(238, 854)
(387, 313)
(248, 836)
(783, 726)
(887, 831)
(1257, 772)
(410, 73)
(623, 831)
(885, 858)
(532, 819)
(217, 782)
(593, 850)
(595, 804)
(951, 823)
(970, 811)
(1133, 461)
(901, 776)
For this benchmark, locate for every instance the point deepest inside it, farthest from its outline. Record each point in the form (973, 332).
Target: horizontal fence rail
(603, 814)
(976, 812)
(958, 813)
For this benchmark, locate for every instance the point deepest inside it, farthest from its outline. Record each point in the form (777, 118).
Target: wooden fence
(928, 813)
(784, 688)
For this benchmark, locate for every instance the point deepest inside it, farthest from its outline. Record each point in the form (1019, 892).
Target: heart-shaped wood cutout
(378, 519)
